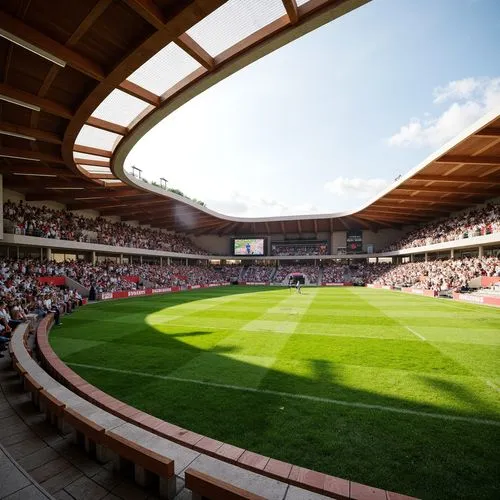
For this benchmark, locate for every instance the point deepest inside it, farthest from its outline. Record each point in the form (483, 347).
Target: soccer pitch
(387, 389)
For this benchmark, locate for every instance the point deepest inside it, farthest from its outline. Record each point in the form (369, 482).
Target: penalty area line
(421, 337)
(337, 402)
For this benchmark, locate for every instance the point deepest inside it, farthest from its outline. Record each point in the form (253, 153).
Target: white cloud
(468, 99)
(242, 205)
(356, 187)
(458, 89)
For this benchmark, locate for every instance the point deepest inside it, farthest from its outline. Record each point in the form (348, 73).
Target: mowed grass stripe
(425, 457)
(296, 396)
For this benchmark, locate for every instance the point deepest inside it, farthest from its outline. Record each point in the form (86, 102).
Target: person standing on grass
(298, 287)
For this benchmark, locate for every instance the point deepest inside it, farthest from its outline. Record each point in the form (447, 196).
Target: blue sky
(324, 123)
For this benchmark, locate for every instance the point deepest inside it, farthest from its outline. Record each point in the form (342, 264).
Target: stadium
(153, 347)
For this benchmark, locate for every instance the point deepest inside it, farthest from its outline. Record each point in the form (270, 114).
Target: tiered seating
(24, 219)
(476, 222)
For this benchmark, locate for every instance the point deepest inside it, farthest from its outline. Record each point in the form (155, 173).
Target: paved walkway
(40, 463)
(36, 462)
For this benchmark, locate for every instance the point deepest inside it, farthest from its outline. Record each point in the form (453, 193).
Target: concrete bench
(32, 386)
(146, 462)
(205, 486)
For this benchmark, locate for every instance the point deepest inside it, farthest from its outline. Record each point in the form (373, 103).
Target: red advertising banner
(487, 281)
(477, 299)
(125, 294)
(420, 291)
(52, 280)
(131, 279)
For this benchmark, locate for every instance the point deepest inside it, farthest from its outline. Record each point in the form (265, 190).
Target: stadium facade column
(452, 253)
(480, 252)
(426, 257)
(49, 253)
(141, 260)
(161, 261)
(93, 257)
(121, 258)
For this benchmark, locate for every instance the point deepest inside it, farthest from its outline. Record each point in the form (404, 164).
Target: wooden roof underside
(51, 136)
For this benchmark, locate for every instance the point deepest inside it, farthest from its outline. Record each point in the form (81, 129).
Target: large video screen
(249, 246)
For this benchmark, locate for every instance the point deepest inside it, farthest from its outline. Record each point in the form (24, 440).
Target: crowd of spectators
(440, 275)
(110, 276)
(476, 222)
(334, 272)
(309, 270)
(283, 249)
(22, 295)
(258, 273)
(44, 222)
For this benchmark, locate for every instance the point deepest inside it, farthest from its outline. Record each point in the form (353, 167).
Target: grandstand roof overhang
(83, 81)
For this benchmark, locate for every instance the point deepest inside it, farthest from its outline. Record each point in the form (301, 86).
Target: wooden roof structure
(82, 82)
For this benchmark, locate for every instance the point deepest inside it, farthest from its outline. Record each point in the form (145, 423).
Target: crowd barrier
(125, 294)
(487, 281)
(324, 283)
(477, 299)
(464, 297)
(52, 280)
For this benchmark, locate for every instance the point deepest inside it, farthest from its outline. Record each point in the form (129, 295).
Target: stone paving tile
(110, 496)
(6, 411)
(84, 488)
(49, 469)
(128, 491)
(107, 478)
(25, 448)
(62, 495)
(29, 493)
(12, 479)
(185, 494)
(77, 457)
(38, 458)
(17, 437)
(61, 480)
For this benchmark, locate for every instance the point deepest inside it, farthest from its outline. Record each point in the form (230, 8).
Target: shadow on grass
(413, 454)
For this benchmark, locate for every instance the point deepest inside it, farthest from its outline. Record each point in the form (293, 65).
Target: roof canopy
(83, 81)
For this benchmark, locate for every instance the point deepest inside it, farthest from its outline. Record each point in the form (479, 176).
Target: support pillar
(49, 253)
(93, 258)
(426, 257)
(121, 258)
(141, 259)
(480, 251)
(452, 253)
(161, 261)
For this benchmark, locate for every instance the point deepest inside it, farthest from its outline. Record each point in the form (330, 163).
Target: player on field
(298, 286)
(249, 248)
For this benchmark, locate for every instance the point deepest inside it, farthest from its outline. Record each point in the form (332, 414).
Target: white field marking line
(416, 333)
(489, 383)
(492, 385)
(319, 334)
(338, 402)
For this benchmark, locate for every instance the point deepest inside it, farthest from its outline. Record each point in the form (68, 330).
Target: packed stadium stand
(79, 90)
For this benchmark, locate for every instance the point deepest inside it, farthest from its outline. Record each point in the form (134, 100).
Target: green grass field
(388, 389)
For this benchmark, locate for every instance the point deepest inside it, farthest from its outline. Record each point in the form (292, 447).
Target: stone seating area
(155, 453)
